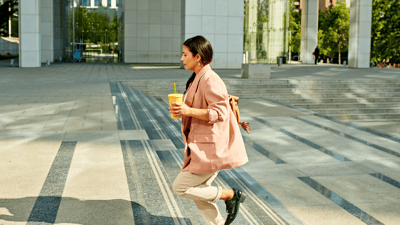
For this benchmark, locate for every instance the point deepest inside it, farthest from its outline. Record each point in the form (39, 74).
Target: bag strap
(245, 125)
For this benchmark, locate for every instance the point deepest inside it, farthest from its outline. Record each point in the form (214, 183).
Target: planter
(256, 71)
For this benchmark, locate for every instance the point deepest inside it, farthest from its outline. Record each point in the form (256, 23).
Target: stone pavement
(79, 147)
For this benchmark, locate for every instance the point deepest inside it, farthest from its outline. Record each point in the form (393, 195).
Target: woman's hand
(179, 109)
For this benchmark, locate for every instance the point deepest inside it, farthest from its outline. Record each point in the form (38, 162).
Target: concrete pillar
(113, 3)
(309, 31)
(275, 41)
(58, 31)
(104, 3)
(360, 33)
(91, 3)
(252, 29)
(46, 30)
(29, 33)
(221, 22)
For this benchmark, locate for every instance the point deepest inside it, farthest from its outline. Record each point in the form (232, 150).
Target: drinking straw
(175, 88)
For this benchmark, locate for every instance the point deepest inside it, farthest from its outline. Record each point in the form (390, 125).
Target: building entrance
(93, 31)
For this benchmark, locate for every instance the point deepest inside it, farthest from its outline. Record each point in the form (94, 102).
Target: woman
(211, 135)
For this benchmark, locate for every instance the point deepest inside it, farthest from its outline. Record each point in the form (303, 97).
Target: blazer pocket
(203, 149)
(204, 138)
(205, 144)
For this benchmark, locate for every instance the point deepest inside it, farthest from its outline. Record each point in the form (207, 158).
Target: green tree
(385, 31)
(333, 32)
(90, 25)
(113, 28)
(294, 28)
(7, 10)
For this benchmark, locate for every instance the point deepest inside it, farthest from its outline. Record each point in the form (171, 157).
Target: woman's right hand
(179, 109)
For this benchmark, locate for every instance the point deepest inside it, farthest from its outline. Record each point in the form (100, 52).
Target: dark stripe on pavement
(149, 205)
(47, 204)
(305, 141)
(263, 151)
(261, 192)
(349, 124)
(170, 127)
(123, 116)
(350, 137)
(386, 179)
(141, 114)
(354, 210)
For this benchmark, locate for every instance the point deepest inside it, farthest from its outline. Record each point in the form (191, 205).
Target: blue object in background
(77, 55)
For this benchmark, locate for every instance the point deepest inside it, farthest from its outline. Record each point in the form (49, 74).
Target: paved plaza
(78, 146)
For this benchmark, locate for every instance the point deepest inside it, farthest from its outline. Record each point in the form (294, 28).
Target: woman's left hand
(179, 109)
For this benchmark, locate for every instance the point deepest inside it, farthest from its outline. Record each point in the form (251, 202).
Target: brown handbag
(234, 103)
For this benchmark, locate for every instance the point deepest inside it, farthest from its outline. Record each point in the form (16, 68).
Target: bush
(8, 56)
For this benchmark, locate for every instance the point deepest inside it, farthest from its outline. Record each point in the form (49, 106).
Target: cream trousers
(198, 188)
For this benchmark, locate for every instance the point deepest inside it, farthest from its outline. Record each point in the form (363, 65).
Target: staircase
(365, 100)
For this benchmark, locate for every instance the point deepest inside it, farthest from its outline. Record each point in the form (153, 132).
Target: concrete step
(358, 111)
(315, 86)
(238, 83)
(257, 89)
(348, 99)
(337, 100)
(315, 90)
(308, 83)
(347, 105)
(337, 95)
(143, 85)
(277, 96)
(363, 117)
(251, 90)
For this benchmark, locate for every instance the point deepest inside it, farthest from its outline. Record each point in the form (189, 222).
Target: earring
(198, 63)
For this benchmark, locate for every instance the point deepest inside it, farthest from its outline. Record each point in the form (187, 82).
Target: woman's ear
(198, 58)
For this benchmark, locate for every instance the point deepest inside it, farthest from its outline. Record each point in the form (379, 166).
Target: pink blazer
(217, 144)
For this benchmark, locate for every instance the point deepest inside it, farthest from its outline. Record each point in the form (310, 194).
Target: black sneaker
(232, 206)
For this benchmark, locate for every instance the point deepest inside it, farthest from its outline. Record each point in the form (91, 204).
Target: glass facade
(86, 2)
(266, 25)
(97, 2)
(92, 34)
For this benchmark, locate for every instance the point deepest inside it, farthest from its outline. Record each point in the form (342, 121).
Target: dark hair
(199, 45)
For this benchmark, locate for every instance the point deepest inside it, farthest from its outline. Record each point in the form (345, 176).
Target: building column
(92, 3)
(47, 30)
(104, 3)
(221, 23)
(58, 31)
(309, 31)
(252, 30)
(360, 33)
(275, 41)
(29, 33)
(113, 3)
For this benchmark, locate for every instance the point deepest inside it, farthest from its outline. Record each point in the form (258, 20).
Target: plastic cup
(175, 98)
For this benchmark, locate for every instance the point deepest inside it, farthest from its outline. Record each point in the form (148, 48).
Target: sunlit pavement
(79, 147)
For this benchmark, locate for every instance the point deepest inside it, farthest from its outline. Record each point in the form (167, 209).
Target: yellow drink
(175, 98)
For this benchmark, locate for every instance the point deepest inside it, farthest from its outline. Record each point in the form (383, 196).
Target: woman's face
(188, 59)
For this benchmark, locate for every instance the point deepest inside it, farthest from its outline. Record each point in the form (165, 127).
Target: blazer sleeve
(216, 97)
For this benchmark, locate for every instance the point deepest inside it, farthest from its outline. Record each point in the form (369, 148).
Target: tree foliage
(7, 10)
(385, 31)
(333, 32)
(294, 28)
(93, 26)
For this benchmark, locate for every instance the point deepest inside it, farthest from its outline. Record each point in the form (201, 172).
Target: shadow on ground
(46, 209)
